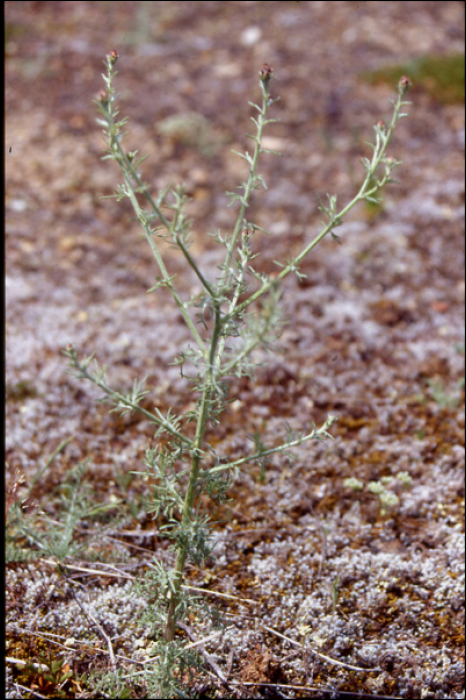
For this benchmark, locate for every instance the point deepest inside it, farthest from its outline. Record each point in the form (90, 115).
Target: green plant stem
(192, 263)
(364, 193)
(314, 435)
(128, 173)
(166, 277)
(196, 454)
(251, 181)
(124, 401)
(38, 475)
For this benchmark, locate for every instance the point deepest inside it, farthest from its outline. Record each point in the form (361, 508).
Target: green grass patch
(441, 76)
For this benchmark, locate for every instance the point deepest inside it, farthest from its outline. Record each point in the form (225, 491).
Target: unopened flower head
(404, 84)
(266, 75)
(112, 57)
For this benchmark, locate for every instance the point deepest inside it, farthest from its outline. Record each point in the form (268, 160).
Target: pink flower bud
(266, 72)
(265, 75)
(112, 57)
(404, 84)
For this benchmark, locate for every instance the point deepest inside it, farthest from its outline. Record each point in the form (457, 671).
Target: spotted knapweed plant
(241, 305)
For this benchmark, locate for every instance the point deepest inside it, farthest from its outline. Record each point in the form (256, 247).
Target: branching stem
(214, 359)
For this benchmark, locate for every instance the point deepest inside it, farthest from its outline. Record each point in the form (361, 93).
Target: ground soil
(328, 592)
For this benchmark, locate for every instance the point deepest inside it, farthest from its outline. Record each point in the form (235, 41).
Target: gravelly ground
(374, 336)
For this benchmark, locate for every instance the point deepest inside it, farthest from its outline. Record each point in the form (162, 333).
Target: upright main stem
(196, 452)
(172, 616)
